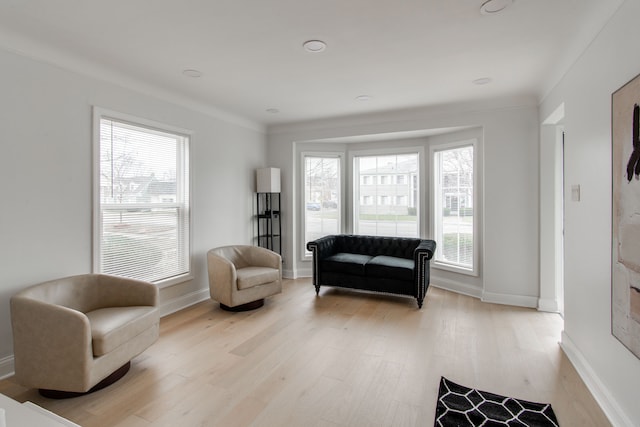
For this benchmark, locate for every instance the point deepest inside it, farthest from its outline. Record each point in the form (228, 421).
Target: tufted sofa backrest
(401, 247)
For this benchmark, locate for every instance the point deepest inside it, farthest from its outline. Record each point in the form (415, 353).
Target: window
(453, 206)
(322, 184)
(383, 217)
(142, 215)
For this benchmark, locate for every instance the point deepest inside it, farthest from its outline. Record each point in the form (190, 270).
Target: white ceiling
(402, 53)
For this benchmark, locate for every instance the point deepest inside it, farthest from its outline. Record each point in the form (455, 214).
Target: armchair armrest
(221, 270)
(49, 341)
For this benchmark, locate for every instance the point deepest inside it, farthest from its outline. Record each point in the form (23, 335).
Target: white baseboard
(304, 272)
(460, 288)
(548, 305)
(6, 367)
(183, 301)
(297, 273)
(508, 299)
(600, 392)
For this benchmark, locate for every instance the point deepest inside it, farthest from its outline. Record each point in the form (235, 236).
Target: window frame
(435, 206)
(354, 183)
(304, 254)
(97, 225)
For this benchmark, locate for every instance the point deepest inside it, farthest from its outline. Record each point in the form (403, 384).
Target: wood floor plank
(342, 358)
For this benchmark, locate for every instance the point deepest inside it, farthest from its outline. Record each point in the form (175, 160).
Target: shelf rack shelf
(269, 224)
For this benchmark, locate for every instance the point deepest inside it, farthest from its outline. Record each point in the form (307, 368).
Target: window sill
(454, 268)
(174, 280)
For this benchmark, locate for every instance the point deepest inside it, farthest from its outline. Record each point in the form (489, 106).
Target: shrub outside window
(142, 210)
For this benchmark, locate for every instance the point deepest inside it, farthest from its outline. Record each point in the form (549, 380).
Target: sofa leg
(317, 290)
(420, 300)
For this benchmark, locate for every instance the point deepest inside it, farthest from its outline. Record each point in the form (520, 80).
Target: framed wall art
(625, 248)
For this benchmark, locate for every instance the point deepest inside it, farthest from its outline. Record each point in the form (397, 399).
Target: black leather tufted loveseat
(395, 265)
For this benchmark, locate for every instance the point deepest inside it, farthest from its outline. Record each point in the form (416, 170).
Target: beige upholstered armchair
(241, 276)
(79, 333)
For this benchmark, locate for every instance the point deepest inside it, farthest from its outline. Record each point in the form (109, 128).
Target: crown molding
(35, 50)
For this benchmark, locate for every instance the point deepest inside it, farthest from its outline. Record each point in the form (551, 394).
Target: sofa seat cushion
(248, 277)
(114, 326)
(346, 263)
(389, 267)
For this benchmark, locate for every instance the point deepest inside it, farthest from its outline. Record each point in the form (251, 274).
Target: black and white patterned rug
(460, 406)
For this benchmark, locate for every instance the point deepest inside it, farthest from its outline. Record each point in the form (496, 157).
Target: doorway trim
(551, 297)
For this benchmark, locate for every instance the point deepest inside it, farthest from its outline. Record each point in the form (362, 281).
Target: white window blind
(142, 224)
(322, 184)
(454, 206)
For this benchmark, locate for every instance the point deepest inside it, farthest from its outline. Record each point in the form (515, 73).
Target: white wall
(509, 259)
(46, 169)
(612, 59)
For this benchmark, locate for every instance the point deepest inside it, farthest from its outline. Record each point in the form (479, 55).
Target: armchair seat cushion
(248, 277)
(346, 263)
(389, 267)
(114, 326)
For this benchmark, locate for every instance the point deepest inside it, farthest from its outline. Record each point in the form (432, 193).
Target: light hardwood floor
(340, 359)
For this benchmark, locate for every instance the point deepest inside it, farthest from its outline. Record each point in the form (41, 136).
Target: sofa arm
(50, 341)
(322, 247)
(425, 248)
(421, 256)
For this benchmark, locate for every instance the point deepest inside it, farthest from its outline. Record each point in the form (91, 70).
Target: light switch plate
(575, 193)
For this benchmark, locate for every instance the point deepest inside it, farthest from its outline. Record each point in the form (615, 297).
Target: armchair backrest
(242, 256)
(89, 292)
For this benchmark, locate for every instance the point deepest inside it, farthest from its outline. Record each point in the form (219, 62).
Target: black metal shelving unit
(269, 225)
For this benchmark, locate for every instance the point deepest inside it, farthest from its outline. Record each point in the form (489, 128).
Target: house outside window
(322, 196)
(142, 193)
(393, 210)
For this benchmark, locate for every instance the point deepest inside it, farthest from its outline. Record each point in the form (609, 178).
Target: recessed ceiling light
(363, 98)
(314, 46)
(482, 81)
(490, 7)
(192, 73)
(272, 110)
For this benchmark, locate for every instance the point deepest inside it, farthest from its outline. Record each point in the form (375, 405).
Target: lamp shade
(268, 180)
